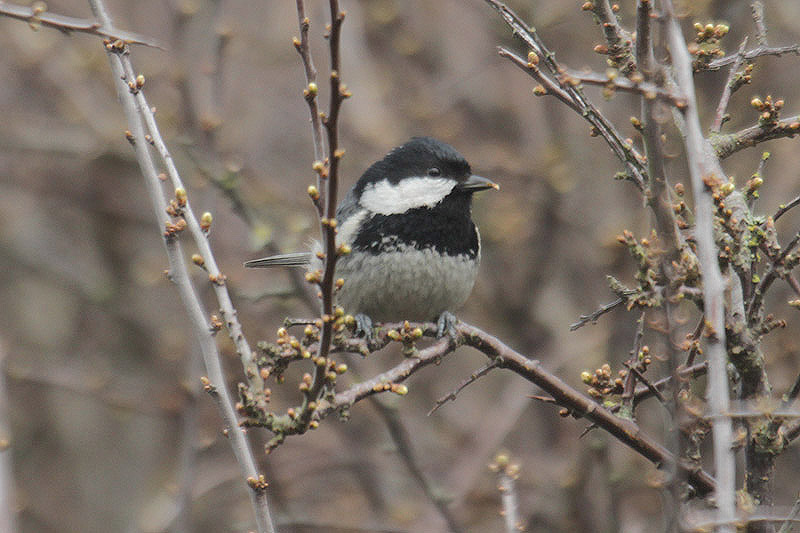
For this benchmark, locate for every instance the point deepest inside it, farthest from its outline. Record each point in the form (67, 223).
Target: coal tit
(414, 247)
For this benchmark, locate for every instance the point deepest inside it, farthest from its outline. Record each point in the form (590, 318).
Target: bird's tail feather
(293, 259)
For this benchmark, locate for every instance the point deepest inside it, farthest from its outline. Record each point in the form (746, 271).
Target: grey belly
(413, 284)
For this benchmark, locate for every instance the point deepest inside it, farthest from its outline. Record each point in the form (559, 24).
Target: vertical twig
(727, 91)
(136, 112)
(703, 164)
(8, 519)
(507, 474)
(327, 206)
(310, 93)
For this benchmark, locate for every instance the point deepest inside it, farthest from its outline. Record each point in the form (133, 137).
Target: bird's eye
(434, 172)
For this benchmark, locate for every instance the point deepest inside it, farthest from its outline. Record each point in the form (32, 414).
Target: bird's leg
(446, 324)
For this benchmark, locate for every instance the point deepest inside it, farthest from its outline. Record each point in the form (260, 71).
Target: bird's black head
(420, 173)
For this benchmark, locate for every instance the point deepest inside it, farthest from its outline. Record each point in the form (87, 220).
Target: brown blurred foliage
(98, 352)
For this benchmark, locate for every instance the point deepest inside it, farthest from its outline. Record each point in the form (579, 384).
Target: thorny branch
(143, 131)
(579, 405)
(37, 15)
(570, 94)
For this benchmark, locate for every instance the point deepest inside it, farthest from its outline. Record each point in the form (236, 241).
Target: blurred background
(101, 408)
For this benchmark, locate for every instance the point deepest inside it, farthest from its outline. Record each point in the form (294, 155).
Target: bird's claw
(446, 324)
(364, 327)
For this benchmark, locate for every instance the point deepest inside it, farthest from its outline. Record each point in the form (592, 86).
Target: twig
(328, 218)
(36, 16)
(727, 145)
(507, 474)
(757, 8)
(592, 317)
(648, 90)
(137, 113)
(630, 157)
(769, 278)
(482, 371)
(402, 440)
(578, 404)
(643, 392)
(727, 91)
(656, 193)
(701, 325)
(310, 92)
(618, 39)
(651, 387)
(629, 386)
(8, 518)
(702, 163)
(754, 53)
(788, 524)
(784, 208)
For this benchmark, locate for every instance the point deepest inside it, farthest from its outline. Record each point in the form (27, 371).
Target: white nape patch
(390, 199)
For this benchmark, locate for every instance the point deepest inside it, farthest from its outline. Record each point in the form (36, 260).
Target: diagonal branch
(136, 111)
(36, 16)
(578, 404)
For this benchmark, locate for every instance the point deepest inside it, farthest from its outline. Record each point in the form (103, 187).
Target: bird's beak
(477, 183)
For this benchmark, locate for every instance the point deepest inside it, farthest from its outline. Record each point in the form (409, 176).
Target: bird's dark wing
(293, 259)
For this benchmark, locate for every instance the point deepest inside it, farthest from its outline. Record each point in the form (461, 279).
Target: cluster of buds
(767, 109)
(408, 336)
(619, 52)
(502, 463)
(176, 204)
(602, 383)
(682, 212)
(115, 45)
(706, 46)
(770, 322)
(742, 77)
(647, 255)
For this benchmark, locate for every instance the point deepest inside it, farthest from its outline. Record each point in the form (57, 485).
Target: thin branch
(630, 157)
(402, 440)
(772, 274)
(451, 397)
(648, 90)
(592, 317)
(728, 144)
(702, 163)
(643, 391)
(328, 219)
(507, 474)
(629, 387)
(755, 53)
(137, 112)
(578, 404)
(788, 524)
(757, 8)
(618, 39)
(36, 16)
(310, 92)
(727, 91)
(8, 509)
(782, 209)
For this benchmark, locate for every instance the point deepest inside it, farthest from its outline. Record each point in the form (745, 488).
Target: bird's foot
(446, 324)
(364, 327)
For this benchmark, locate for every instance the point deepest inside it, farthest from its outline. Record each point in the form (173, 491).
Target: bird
(414, 248)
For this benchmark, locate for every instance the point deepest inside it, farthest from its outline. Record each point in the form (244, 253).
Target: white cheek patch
(390, 199)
